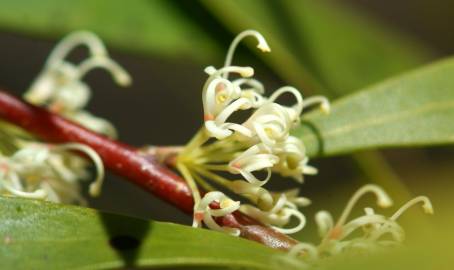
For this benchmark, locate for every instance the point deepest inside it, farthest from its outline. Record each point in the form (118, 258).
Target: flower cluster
(366, 233)
(250, 150)
(32, 169)
(51, 172)
(60, 88)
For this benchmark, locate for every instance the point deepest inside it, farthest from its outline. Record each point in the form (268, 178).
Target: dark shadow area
(125, 236)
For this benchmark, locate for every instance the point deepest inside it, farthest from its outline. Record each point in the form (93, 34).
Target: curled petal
(287, 214)
(298, 107)
(227, 206)
(361, 222)
(255, 158)
(217, 131)
(239, 104)
(95, 187)
(256, 85)
(16, 191)
(217, 95)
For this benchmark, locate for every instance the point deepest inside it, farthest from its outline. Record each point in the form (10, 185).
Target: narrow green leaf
(415, 109)
(144, 26)
(42, 235)
(345, 49)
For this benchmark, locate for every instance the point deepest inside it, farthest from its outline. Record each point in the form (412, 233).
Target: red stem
(127, 161)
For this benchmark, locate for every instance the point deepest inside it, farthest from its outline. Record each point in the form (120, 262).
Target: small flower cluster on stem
(43, 171)
(365, 233)
(32, 169)
(60, 88)
(248, 151)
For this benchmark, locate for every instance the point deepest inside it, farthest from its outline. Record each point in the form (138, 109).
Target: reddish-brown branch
(127, 161)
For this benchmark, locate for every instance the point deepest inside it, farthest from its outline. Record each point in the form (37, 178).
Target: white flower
(11, 183)
(59, 86)
(292, 159)
(49, 172)
(221, 97)
(271, 123)
(203, 211)
(373, 226)
(256, 158)
(253, 93)
(253, 148)
(278, 216)
(295, 110)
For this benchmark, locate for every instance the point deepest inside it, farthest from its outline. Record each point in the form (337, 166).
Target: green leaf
(346, 50)
(317, 44)
(42, 235)
(415, 109)
(144, 26)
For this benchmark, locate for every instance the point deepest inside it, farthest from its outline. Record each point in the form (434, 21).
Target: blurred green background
(321, 47)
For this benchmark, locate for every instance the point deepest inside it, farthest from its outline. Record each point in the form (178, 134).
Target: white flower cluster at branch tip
(248, 151)
(60, 88)
(51, 172)
(375, 231)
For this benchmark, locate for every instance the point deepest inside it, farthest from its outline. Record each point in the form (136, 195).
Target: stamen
(426, 206)
(73, 40)
(262, 45)
(383, 200)
(120, 75)
(321, 100)
(288, 89)
(292, 212)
